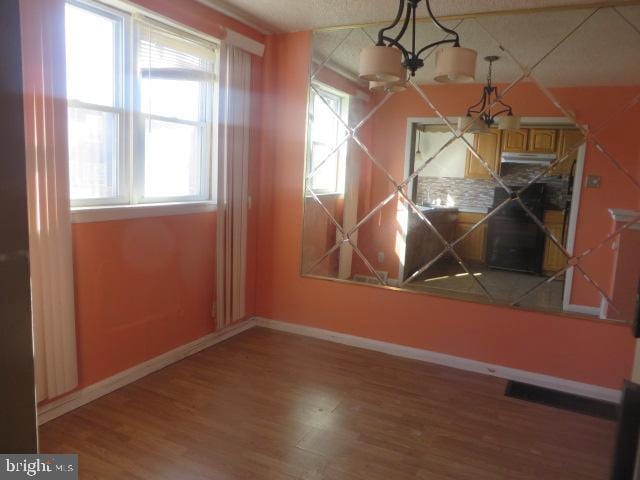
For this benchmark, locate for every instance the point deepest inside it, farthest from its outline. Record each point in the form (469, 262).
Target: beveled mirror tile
(580, 133)
(631, 14)
(427, 260)
(530, 36)
(321, 230)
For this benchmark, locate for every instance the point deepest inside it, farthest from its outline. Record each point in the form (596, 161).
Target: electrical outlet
(380, 257)
(594, 181)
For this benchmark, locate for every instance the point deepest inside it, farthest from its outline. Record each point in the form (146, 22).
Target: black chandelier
(389, 60)
(486, 118)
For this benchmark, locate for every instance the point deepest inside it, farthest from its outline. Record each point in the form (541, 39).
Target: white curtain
(42, 25)
(233, 195)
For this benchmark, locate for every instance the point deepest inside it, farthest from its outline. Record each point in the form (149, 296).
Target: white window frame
(130, 201)
(343, 99)
(122, 101)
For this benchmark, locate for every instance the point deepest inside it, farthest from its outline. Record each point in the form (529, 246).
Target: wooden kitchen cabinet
(515, 140)
(488, 146)
(542, 140)
(554, 259)
(472, 248)
(422, 244)
(567, 139)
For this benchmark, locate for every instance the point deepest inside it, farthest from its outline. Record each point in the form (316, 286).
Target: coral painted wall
(572, 348)
(143, 287)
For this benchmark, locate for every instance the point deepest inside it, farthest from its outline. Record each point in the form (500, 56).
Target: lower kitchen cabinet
(554, 259)
(423, 245)
(472, 248)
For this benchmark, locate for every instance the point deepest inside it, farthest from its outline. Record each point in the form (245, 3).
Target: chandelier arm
(434, 44)
(500, 112)
(405, 25)
(482, 104)
(456, 41)
(398, 45)
(395, 22)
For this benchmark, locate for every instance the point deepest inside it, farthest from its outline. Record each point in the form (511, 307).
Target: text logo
(49, 467)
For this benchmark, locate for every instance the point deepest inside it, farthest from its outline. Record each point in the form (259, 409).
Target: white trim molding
(582, 309)
(81, 397)
(625, 216)
(128, 212)
(231, 37)
(235, 39)
(239, 15)
(541, 380)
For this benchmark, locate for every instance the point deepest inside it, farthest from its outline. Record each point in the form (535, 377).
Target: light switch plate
(594, 181)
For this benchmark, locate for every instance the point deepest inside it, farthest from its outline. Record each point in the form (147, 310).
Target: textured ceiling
(593, 47)
(297, 15)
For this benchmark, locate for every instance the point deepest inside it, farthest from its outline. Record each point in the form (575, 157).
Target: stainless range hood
(528, 158)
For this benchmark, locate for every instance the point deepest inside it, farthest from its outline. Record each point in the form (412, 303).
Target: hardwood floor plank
(272, 405)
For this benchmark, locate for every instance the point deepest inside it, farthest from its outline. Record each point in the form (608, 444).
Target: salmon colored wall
(143, 287)
(563, 346)
(591, 106)
(146, 286)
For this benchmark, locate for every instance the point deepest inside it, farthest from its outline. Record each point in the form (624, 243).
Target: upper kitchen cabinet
(542, 140)
(567, 140)
(515, 140)
(488, 146)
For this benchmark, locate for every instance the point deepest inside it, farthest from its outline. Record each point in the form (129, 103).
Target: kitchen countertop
(457, 208)
(472, 209)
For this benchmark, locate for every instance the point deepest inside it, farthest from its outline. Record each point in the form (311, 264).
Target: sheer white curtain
(42, 25)
(233, 195)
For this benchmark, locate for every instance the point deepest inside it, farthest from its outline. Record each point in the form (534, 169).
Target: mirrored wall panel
(520, 187)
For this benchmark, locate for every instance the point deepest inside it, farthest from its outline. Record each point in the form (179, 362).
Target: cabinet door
(472, 248)
(567, 139)
(488, 146)
(542, 140)
(554, 259)
(515, 140)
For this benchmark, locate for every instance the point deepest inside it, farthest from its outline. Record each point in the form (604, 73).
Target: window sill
(127, 212)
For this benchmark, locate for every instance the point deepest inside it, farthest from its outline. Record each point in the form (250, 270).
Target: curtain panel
(233, 195)
(53, 310)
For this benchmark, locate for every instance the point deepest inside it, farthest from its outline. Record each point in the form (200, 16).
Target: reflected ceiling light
(477, 125)
(383, 62)
(487, 118)
(393, 86)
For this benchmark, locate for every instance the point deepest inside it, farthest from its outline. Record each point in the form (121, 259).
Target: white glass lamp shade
(455, 65)
(381, 64)
(395, 87)
(508, 122)
(475, 124)
(377, 86)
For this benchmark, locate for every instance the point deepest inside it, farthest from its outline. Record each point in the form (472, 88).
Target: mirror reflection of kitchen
(508, 253)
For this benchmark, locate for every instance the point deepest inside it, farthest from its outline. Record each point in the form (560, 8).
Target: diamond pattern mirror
(540, 210)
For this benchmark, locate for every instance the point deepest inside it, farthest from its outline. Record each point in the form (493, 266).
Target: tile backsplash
(479, 193)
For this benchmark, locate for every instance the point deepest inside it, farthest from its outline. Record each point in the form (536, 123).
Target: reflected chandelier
(486, 118)
(388, 62)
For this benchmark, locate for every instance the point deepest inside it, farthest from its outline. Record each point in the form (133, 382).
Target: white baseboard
(81, 397)
(583, 309)
(546, 381)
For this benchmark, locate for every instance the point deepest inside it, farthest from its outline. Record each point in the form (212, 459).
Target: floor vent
(565, 401)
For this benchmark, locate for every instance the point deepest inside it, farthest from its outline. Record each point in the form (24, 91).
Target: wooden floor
(270, 405)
